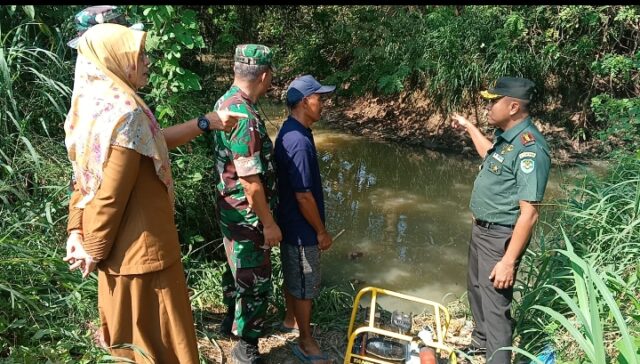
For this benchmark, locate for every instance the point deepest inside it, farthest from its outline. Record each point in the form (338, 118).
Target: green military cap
(253, 54)
(516, 87)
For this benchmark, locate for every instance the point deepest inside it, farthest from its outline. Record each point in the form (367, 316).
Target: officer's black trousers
(490, 307)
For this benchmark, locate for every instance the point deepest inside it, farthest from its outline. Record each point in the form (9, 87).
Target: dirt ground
(411, 120)
(276, 345)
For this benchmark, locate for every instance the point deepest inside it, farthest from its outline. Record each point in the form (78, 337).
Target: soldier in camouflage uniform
(505, 200)
(247, 197)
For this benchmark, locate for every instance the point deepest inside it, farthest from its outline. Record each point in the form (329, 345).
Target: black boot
(227, 323)
(246, 352)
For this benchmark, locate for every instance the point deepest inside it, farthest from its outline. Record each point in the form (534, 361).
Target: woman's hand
(77, 256)
(224, 119)
(74, 242)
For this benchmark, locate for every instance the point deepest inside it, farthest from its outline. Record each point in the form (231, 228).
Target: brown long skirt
(151, 314)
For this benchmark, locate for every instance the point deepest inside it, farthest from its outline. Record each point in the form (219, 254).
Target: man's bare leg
(289, 314)
(302, 311)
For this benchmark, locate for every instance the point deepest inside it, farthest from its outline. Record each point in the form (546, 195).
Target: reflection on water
(405, 212)
(405, 209)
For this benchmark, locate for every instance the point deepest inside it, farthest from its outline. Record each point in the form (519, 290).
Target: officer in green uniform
(246, 198)
(504, 202)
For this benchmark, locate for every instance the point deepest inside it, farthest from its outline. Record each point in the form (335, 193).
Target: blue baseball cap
(304, 86)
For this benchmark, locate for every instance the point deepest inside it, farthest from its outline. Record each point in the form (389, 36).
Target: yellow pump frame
(440, 329)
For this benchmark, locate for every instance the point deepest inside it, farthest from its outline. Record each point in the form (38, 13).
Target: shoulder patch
(527, 165)
(527, 138)
(527, 155)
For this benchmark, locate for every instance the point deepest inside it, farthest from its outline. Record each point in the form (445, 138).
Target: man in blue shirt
(300, 213)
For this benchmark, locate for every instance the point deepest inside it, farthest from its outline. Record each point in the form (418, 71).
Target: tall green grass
(34, 87)
(47, 314)
(45, 311)
(583, 274)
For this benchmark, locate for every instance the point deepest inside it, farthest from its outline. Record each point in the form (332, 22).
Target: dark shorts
(301, 270)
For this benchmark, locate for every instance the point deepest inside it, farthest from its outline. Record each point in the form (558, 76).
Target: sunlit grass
(583, 273)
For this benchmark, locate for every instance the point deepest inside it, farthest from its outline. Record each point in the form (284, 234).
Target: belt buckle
(483, 224)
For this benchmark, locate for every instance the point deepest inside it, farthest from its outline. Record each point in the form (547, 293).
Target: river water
(404, 211)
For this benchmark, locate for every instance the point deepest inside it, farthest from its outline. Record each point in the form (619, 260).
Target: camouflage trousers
(247, 287)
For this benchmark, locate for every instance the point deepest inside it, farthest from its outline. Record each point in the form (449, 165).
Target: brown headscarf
(106, 110)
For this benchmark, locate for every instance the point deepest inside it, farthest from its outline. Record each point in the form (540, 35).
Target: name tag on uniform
(527, 155)
(498, 157)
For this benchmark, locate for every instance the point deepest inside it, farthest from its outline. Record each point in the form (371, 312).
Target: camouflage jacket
(246, 150)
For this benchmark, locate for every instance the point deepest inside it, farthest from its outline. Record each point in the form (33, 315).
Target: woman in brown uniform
(121, 211)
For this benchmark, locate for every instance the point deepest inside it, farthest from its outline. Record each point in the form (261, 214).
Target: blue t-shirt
(298, 171)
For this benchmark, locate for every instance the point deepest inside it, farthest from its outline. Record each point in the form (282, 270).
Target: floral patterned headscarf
(105, 109)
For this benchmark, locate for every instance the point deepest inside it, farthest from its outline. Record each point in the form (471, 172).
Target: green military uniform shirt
(516, 168)
(245, 151)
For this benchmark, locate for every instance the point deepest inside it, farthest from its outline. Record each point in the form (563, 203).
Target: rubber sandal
(308, 359)
(287, 330)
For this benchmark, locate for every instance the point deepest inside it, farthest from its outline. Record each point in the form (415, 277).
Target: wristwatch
(203, 124)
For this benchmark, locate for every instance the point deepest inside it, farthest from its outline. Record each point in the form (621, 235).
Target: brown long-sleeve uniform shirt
(129, 224)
